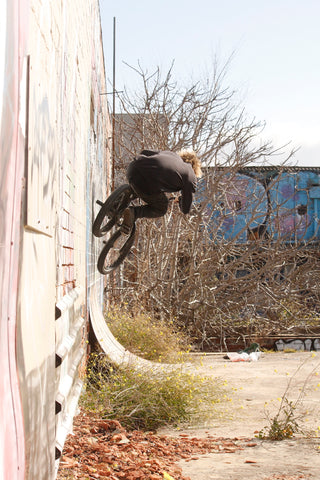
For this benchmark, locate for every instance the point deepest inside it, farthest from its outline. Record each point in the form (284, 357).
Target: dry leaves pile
(103, 449)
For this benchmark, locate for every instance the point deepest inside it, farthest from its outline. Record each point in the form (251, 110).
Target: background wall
(283, 203)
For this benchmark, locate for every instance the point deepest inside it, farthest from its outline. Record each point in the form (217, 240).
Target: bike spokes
(110, 215)
(115, 251)
(111, 210)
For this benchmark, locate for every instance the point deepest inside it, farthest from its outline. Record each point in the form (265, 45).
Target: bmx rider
(153, 173)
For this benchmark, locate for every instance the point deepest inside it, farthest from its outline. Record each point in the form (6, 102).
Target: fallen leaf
(166, 476)
(120, 438)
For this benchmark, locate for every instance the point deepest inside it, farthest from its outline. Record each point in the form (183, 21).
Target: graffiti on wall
(306, 344)
(255, 204)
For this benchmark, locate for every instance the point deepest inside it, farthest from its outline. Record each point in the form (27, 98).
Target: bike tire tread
(98, 229)
(125, 249)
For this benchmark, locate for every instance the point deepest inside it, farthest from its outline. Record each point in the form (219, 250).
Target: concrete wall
(283, 204)
(62, 169)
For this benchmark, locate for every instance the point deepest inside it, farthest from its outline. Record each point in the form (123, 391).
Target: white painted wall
(66, 170)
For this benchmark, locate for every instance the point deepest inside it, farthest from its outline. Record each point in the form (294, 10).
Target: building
(54, 166)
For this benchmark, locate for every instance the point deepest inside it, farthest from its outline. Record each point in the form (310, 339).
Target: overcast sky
(275, 48)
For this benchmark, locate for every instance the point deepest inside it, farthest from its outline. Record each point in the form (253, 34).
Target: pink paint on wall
(12, 455)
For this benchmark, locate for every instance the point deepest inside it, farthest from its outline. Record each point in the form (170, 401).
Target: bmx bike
(110, 216)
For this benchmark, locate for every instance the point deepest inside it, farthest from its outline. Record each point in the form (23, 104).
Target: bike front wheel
(111, 210)
(115, 251)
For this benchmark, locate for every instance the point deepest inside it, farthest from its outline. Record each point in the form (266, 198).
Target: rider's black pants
(156, 204)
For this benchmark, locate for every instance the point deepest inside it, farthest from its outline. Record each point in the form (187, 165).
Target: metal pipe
(113, 104)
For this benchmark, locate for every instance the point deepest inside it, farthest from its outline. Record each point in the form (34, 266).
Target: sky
(273, 47)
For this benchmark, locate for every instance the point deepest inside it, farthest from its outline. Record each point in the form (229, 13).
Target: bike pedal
(99, 202)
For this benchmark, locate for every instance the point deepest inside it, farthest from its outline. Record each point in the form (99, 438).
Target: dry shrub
(147, 336)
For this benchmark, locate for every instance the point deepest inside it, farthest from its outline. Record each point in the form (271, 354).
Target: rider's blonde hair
(189, 156)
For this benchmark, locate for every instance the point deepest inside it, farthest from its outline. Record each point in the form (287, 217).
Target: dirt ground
(256, 389)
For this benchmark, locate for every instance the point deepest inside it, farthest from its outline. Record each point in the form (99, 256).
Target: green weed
(287, 421)
(145, 399)
(284, 424)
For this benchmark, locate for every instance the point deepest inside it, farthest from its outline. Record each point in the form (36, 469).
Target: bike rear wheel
(111, 210)
(115, 251)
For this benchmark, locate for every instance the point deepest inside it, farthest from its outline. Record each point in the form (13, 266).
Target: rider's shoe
(128, 221)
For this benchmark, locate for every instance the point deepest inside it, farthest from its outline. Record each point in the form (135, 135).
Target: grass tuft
(148, 337)
(148, 400)
(288, 421)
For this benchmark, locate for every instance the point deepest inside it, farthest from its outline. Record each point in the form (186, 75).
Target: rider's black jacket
(154, 171)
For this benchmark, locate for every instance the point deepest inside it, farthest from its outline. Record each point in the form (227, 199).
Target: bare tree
(233, 267)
